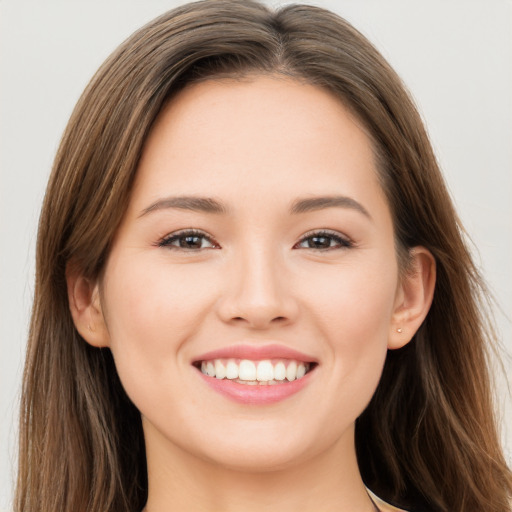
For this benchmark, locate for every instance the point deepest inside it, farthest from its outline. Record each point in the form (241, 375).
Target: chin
(258, 458)
(267, 448)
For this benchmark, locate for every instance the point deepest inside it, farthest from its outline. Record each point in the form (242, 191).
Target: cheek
(151, 310)
(353, 302)
(353, 308)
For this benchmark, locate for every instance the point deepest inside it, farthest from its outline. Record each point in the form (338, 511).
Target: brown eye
(324, 241)
(188, 241)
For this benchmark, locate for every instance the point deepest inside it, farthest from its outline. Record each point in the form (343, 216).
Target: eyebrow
(319, 203)
(211, 205)
(198, 204)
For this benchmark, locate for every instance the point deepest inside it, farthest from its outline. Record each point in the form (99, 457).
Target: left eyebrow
(319, 203)
(201, 204)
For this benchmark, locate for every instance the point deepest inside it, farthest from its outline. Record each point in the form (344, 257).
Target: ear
(85, 306)
(413, 298)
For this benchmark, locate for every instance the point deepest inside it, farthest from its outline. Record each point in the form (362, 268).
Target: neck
(329, 481)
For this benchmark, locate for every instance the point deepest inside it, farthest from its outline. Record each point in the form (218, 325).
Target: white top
(383, 506)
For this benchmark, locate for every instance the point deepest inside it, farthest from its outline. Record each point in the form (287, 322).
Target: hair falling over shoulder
(427, 441)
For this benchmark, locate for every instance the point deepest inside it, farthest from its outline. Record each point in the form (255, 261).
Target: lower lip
(256, 394)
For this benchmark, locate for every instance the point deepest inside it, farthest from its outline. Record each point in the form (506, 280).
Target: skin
(256, 145)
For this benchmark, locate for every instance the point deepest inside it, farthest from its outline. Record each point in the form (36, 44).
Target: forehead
(263, 136)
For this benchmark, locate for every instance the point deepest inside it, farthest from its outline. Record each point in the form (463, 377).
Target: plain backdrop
(455, 57)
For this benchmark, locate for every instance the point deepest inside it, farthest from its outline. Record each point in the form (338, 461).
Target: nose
(258, 292)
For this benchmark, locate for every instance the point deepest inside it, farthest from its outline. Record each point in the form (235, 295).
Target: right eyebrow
(311, 204)
(200, 204)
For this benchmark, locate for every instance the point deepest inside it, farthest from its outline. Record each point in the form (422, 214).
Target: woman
(252, 290)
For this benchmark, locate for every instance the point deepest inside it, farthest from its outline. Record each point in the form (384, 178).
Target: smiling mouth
(266, 372)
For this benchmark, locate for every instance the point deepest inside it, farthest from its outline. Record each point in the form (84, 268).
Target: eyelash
(167, 241)
(343, 242)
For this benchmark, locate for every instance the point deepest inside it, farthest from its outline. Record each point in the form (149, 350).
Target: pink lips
(256, 395)
(257, 352)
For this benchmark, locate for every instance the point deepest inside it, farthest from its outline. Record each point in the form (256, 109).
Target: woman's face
(257, 231)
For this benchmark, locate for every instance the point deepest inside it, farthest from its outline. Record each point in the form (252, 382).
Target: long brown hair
(428, 439)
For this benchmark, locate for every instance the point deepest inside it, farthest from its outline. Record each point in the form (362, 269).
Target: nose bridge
(257, 292)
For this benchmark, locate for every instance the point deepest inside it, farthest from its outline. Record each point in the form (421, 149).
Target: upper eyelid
(346, 241)
(187, 231)
(326, 231)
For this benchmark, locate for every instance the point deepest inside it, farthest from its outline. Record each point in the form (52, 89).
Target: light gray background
(455, 56)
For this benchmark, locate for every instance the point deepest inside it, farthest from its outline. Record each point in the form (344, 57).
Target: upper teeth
(255, 371)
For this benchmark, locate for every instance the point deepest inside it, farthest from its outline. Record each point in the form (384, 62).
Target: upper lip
(256, 352)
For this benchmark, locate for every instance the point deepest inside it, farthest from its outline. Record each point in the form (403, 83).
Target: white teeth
(265, 371)
(280, 371)
(231, 370)
(210, 369)
(250, 372)
(247, 370)
(220, 370)
(291, 371)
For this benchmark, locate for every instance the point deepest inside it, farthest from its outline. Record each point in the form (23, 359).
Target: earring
(399, 330)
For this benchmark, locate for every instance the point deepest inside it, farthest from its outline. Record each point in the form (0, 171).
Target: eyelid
(344, 241)
(167, 239)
